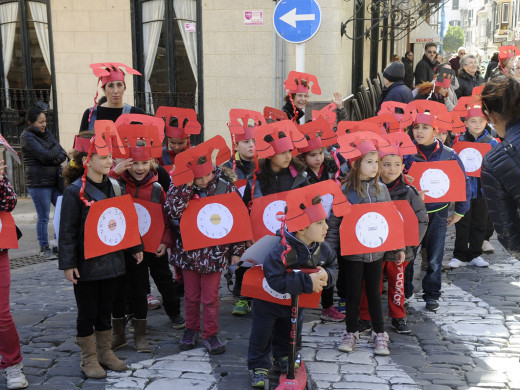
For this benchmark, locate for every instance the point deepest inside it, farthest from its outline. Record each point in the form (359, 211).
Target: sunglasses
(432, 52)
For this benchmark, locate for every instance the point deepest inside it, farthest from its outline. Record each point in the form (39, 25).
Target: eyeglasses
(431, 52)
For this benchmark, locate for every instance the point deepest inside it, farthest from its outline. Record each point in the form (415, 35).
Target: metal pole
(200, 74)
(300, 57)
(384, 46)
(357, 44)
(374, 40)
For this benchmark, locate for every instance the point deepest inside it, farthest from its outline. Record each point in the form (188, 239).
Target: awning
(424, 33)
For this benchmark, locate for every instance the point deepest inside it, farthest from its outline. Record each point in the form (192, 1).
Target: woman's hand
(138, 256)
(2, 167)
(72, 275)
(161, 250)
(122, 166)
(452, 219)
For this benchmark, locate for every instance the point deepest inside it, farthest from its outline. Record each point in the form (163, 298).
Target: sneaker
(432, 305)
(55, 250)
(348, 342)
(214, 345)
(189, 340)
(178, 322)
(456, 263)
(400, 326)
(153, 303)
(15, 377)
(364, 325)
(281, 364)
(380, 343)
(478, 262)
(409, 299)
(241, 308)
(331, 314)
(342, 308)
(487, 247)
(46, 253)
(258, 377)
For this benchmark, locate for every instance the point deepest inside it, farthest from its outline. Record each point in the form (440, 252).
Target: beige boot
(118, 333)
(140, 342)
(89, 361)
(105, 354)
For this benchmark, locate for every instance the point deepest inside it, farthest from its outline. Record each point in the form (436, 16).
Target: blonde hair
(354, 178)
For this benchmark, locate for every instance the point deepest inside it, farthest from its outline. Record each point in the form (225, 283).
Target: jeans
(9, 339)
(433, 243)
(42, 198)
(471, 231)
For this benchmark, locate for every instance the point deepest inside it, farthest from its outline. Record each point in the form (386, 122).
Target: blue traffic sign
(297, 21)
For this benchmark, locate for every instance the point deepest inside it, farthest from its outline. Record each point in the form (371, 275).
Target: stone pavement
(472, 342)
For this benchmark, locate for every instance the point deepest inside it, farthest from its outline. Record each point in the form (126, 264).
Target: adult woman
(492, 65)
(42, 156)
(501, 168)
(112, 80)
(469, 76)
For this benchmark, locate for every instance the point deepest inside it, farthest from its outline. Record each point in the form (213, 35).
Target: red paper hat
(457, 126)
(274, 114)
(144, 120)
(298, 219)
(328, 113)
(475, 112)
(110, 71)
(239, 124)
(319, 135)
(293, 138)
(105, 137)
(131, 133)
(477, 92)
(444, 78)
(355, 145)
(463, 104)
(386, 122)
(401, 144)
(505, 52)
(186, 167)
(293, 84)
(346, 127)
(10, 150)
(427, 112)
(185, 121)
(391, 107)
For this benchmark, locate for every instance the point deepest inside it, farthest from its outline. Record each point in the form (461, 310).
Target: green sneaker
(281, 364)
(241, 308)
(258, 377)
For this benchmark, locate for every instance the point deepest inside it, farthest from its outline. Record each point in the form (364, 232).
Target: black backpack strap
(221, 186)
(156, 193)
(91, 190)
(115, 186)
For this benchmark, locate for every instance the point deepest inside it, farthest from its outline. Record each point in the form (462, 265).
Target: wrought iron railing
(150, 101)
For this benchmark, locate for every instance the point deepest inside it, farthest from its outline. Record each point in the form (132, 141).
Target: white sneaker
(15, 377)
(487, 247)
(478, 262)
(380, 343)
(348, 342)
(456, 263)
(409, 299)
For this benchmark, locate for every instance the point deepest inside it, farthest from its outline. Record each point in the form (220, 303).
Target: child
(10, 347)
(391, 163)
(271, 321)
(425, 131)
(141, 182)
(362, 186)
(94, 280)
(201, 268)
(472, 229)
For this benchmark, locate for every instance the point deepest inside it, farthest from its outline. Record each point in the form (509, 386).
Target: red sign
(8, 237)
(267, 213)
(241, 186)
(255, 285)
(370, 228)
(215, 220)
(410, 222)
(444, 181)
(471, 154)
(111, 225)
(150, 215)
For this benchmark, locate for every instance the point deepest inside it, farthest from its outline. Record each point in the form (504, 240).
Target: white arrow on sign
(291, 18)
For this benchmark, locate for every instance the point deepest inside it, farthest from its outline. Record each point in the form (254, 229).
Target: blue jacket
(442, 153)
(501, 185)
(397, 92)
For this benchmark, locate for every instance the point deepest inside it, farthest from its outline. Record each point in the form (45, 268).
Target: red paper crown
(131, 134)
(319, 135)
(328, 113)
(186, 119)
(293, 84)
(353, 127)
(475, 112)
(444, 78)
(239, 124)
(477, 92)
(401, 144)
(186, 167)
(298, 219)
(355, 145)
(293, 138)
(387, 123)
(110, 71)
(428, 112)
(144, 120)
(505, 52)
(105, 138)
(391, 107)
(274, 114)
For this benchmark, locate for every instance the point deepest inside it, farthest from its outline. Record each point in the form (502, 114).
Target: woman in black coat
(42, 156)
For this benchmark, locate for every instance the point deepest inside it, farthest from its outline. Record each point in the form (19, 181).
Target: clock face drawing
(436, 182)
(372, 230)
(144, 218)
(273, 214)
(111, 226)
(471, 158)
(215, 220)
(272, 292)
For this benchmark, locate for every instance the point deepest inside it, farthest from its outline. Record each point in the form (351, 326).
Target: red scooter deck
(298, 383)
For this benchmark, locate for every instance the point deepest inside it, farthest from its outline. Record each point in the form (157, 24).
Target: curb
(28, 218)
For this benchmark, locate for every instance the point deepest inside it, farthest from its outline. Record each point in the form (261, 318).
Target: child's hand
(122, 166)
(2, 167)
(399, 258)
(337, 99)
(323, 273)
(160, 251)
(421, 194)
(72, 275)
(452, 219)
(235, 259)
(409, 178)
(318, 281)
(138, 256)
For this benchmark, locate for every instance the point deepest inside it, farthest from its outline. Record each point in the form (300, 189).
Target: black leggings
(354, 274)
(94, 300)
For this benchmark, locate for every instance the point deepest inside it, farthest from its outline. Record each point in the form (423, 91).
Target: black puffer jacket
(424, 70)
(467, 82)
(42, 156)
(500, 178)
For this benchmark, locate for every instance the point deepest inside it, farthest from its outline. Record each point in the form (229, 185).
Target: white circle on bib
(273, 213)
(436, 182)
(372, 230)
(215, 220)
(111, 226)
(144, 218)
(471, 158)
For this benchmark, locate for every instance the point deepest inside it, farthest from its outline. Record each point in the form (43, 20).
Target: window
(455, 4)
(505, 13)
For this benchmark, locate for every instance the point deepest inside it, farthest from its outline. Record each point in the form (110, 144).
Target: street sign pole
(300, 57)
